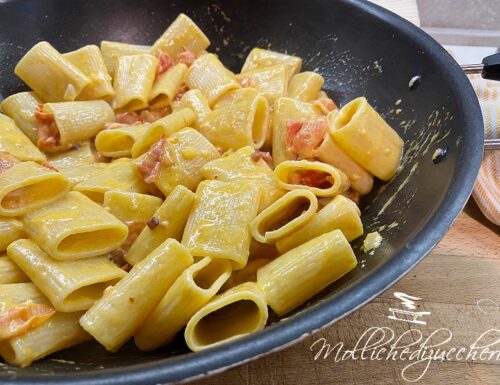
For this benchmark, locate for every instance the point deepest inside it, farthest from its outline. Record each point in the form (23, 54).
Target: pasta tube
(305, 86)
(11, 230)
(21, 108)
(291, 279)
(210, 76)
(133, 81)
(44, 332)
(330, 152)
(120, 312)
(78, 156)
(242, 165)
(57, 333)
(118, 142)
(287, 214)
(367, 138)
(10, 273)
(165, 126)
(78, 174)
(50, 75)
(120, 175)
(244, 122)
(77, 121)
(272, 82)
(13, 141)
(261, 58)
(320, 178)
(197, 285)
(184, 155)
(235, 313)
(27, 186)
(168, 221)
(70, 285)
(339, 214)
(88, 60)
(131, 207)
(182, 34)
(112, 50)
(288, 110)
(218, 225)
(167, 85)
(74, 228)
(197, 102)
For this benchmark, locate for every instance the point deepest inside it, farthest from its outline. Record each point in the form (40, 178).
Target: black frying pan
(360, 49)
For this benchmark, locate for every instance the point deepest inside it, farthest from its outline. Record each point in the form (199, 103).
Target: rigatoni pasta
(239, 311)
(10, 272)
(197, 285)
(14, 142)
(294, 277)
(112, 50)
(74, 228)
(27, 186)
(136, 295)
(121, 175)
(50, 75)
(288, 213)
(89, 60)
(77, 121)
(368, 139)
(218, 225)
(21, 108)
(149, 188)
(168, 221)
(182, 34)
(11, 229)
(320, 178)
(339, 214)
(133, 81)
(210, 76)
(262, 58)
(71, 285)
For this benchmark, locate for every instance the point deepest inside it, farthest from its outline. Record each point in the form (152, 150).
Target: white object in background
(405, 8)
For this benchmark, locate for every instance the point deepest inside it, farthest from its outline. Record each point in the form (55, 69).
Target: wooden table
(461, 271)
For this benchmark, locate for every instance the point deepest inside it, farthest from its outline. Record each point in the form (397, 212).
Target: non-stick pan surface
(360, 49)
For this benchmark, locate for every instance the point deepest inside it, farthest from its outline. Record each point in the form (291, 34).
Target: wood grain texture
(463, 269)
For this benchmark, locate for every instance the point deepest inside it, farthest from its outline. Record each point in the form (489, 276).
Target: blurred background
(470, 29)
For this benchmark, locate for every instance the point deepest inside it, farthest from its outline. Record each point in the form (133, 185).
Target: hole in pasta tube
(33, 194)
(209, 274)
(347, 113)
(85, 242)
(86, 294)
(114, 142)
(134, 105)
(8, 353)
(260, 122)
(295, 209)
(159, 101)
(236, 318)
(96, 196)
(311, 178)
(152, 135)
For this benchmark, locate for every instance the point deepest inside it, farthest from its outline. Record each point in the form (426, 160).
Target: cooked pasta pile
(148, 189)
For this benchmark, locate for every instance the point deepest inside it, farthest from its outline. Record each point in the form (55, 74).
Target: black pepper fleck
(153, 222)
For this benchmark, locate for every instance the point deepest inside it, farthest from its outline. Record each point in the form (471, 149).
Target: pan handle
(489, 68)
